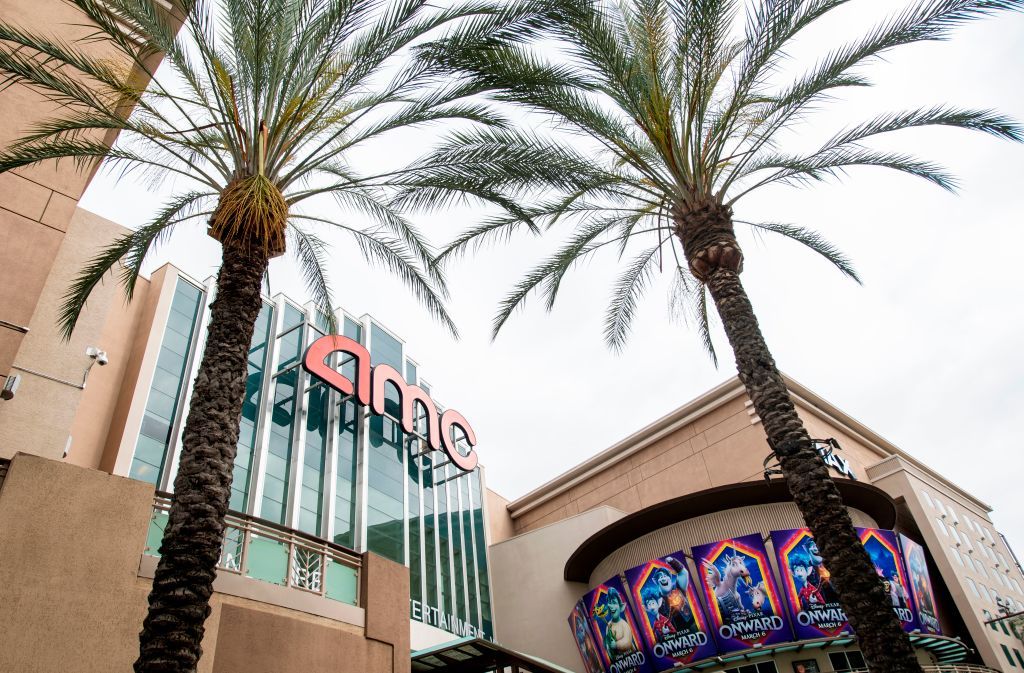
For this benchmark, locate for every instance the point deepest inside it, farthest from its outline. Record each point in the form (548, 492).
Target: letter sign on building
(369, 390)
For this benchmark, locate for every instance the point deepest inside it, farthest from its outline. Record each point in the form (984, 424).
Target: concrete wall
(46, 417)
(71, 540)
(37, 203)
(531, 599)
(903, 480)
(499, 522)
(725, 445)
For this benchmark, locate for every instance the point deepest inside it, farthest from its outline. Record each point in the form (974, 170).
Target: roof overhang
(869, 499)
(476, 655)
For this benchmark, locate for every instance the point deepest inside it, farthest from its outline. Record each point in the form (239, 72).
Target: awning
(475, 655)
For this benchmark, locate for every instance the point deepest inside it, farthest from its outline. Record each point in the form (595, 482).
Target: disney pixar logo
(369, 389)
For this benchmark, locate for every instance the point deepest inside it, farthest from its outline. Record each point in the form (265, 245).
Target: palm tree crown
(686, 112)
(255, 111)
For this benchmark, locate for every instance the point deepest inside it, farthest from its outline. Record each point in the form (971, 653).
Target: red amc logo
(369, 389)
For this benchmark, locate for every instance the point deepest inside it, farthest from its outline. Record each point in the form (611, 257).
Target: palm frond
(812, 240)
(626, 294)
(311, 252)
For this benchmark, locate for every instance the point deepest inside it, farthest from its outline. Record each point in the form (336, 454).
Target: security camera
(100, 356)
(10, 387)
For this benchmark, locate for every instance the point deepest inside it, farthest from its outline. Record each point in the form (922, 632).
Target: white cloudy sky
(927, 352)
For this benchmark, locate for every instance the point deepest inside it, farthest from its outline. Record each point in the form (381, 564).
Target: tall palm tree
(256, 113)
(685, 104)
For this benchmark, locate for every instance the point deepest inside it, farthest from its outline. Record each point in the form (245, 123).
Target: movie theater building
(671, 551)
(359, 518)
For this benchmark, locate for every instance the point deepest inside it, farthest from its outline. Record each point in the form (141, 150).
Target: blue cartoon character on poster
(807, 584)
(614, 628)
(672, 623)
(743, 601)
(885, 555)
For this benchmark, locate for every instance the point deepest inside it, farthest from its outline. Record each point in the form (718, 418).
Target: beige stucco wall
(499, 522)
(531, 599)
(37, 203)
(71, 541)
(44, 414)
(724, 446)
(903, 480)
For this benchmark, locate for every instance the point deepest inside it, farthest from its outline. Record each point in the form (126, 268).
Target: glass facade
(168, 385)
(315, 460)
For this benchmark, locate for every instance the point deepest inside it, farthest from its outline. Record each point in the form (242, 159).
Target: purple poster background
(672, 623)
(888, 561)
(580, 628)
(813, 602)
(615, 628)
(744, 605)
(920, 585)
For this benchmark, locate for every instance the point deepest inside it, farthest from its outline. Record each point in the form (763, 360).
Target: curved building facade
(679, 549)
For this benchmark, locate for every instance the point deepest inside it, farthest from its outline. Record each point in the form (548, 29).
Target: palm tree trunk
(180, 600)
(883, 642)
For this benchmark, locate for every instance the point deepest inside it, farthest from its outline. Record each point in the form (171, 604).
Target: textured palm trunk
(180, 600)
(715, 258)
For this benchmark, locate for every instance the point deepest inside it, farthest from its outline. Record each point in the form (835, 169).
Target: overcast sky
(927, 352)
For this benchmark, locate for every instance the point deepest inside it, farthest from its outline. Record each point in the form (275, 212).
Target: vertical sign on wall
(920, 585)
(672, 623)
(806, 582)
(885, 555)
(614, 628)
(743, 603)
(579, 624)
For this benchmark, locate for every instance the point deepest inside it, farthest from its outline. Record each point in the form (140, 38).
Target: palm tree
(256, 114)
(685, 113)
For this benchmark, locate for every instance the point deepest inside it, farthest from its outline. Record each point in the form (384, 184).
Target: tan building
(697, 476)
(349, 547)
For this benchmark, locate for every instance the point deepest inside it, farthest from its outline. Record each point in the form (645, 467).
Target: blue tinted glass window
(277, 476)
(429, 535)
(384, 348)
(481, 555)
(444, 542)
(385, 507)
(318, 400)
(168, 384)
(471, 574)
(248, 427)
(345, 479)
(458, 549)
(415, 534)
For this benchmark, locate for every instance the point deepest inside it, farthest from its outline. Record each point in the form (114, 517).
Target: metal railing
(265, 551)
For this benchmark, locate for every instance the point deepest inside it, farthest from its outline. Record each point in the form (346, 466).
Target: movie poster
(584, 639)
(744, 605)
(920, 586)
(813, 602)
(885, 555)
(615, 629)
(672, 623)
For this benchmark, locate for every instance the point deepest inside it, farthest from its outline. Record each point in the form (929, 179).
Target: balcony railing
(267, 552)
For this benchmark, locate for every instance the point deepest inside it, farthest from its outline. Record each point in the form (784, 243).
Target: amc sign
(369, 390)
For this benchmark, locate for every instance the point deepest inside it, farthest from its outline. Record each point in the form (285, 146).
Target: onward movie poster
(885, 555)
(920, 585)
(584, 639)
(614, 628)
(743, 604)
(807, 584)
(672, 623)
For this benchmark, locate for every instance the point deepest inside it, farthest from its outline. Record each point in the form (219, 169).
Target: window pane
(311, 495)
(838, 660)
(345, 479)
(856, 659)
(481, 555)
(247, 432)
(168, 384)
(385, 511)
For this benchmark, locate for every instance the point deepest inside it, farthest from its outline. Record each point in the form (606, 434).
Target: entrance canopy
(475, 655)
